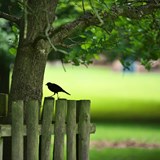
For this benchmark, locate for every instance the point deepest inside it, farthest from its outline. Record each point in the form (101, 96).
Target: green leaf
(15, 29)
(13, 51)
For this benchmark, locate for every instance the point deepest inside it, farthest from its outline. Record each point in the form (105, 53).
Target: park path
(123, 144)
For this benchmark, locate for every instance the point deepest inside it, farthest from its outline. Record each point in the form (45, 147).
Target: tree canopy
(119, 28)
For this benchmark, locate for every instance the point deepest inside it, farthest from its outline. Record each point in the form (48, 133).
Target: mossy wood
(32, 110)
(46, 129)
(1, 148)
(83, 129)
(17, 130)
(60, 115)
(71, 118)
(71, 130)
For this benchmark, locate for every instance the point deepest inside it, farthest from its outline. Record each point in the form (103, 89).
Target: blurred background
(115, 94)
(125, 106)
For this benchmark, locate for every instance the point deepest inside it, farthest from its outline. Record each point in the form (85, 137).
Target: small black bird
(55, 88)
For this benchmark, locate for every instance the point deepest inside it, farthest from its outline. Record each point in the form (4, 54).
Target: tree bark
(29, 67)
(30, 62)
(28, 73)
(4, 79)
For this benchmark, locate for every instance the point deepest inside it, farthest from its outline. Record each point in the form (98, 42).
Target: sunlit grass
(112, 94)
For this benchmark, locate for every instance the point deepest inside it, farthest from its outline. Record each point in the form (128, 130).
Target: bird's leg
(57, 96)
(52, 95)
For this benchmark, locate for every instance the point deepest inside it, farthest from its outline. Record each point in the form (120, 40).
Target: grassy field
(121, 132)
(117, 132)
(112, 95)
(125, 154)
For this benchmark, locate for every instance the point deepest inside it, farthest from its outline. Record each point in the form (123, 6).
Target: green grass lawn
(125, 154)
(120, 132)
(117, 132)
(112, 95)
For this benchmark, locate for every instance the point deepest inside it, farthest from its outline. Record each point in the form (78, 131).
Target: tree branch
(135, 12)
(58, 35)
(9, 17)
(89, 19)
(78, 25)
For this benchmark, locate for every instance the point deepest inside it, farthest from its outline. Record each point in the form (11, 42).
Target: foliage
(118, 36)
(7, 38)
(124, 30)
(138, 39)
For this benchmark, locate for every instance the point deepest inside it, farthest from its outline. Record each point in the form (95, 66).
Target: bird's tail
(66, 92)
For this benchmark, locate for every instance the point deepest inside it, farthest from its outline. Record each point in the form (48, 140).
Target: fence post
(1, 148)
(71, 130)
(46, 128)
(32, 116)
(60, 115)
(6, 141)
(78, 112)
(83, 129)
(17, 130)
(3, 104)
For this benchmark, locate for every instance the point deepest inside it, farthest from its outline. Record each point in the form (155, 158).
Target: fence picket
(32, 112)
(59, 132)
(17, 130)
(75, 123)
(83, 129)
(3, 104)
(46, 128)
(1, 148)
(71, 130)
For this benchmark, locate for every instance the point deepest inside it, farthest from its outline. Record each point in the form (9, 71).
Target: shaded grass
(113, 95)
(116, 132)
(125, 154)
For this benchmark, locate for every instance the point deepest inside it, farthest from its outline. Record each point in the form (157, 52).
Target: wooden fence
(64, 124)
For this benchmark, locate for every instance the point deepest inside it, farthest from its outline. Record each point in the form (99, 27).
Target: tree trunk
(4, 79)
(29, 67)
(27, 79)
(30, 62)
